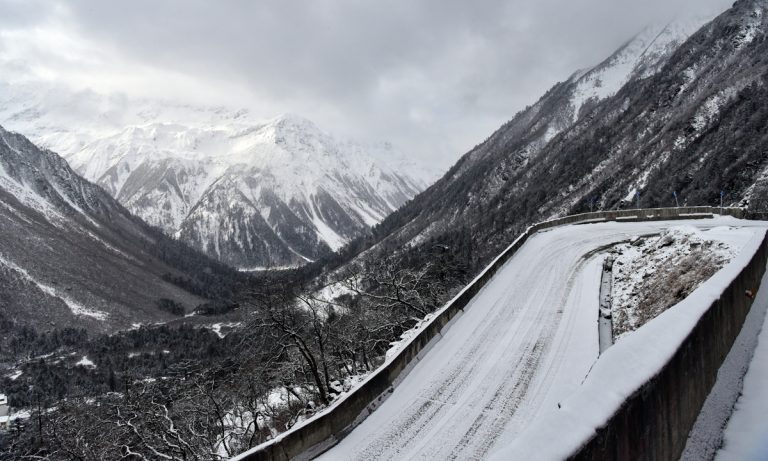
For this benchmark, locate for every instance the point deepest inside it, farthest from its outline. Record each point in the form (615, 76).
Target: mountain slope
(71, 256)
(532, 129)
(296, 192)
(278, 193)
(688, 119)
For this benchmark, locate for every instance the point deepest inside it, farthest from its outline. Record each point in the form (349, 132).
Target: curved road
(524, 343)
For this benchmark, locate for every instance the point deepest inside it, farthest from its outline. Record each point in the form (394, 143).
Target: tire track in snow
(514, 389)
(443, 390)
(421, 418)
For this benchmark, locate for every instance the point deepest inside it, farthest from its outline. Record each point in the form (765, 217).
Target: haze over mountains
(251, 194)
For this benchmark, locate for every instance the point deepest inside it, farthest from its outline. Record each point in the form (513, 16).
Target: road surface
(524, 343)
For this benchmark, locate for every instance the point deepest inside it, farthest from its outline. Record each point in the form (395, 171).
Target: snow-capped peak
(289, 123)
(218, 184)
(640, 57)
(251, 192)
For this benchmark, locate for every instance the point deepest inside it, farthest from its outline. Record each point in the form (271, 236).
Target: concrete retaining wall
(323, 430)
(653, 423)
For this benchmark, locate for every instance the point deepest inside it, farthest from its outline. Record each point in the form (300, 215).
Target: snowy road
(525, 342)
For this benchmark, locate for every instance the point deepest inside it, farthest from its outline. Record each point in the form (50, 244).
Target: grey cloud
(435, 76)
(17, 14)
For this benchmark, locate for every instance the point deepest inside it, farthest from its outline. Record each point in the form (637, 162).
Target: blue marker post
(677, 204)
(722, 194)
(637, 195)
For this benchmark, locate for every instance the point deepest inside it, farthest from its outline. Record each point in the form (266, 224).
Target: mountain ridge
(71, 256)
(616, 147)
(167, 171)
(186, 180)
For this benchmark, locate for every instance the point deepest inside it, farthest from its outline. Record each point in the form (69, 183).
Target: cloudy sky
(433, 76)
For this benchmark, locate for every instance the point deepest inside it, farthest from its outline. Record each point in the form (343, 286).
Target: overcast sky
(435, 76)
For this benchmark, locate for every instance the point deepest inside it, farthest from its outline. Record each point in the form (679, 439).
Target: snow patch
(15, 375)
(648, 269)
(217, 328)
(266, 268)
(750, 29)
(330, 292)
(86, 362)
(405, 338)
(711, 108)
(74, 306)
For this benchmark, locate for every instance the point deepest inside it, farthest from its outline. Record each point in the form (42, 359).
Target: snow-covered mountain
(676, 114)
(64, 120)
(641, 57)
(278, 193)
(252, 194)
(562, 106)
(72, 256)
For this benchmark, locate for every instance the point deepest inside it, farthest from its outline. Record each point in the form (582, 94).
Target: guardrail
(325, 429)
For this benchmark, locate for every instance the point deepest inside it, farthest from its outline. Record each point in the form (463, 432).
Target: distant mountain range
(72, 256)
(279, 193)
(251, 194)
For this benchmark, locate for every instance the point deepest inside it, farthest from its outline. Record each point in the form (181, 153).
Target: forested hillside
(692, 127)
